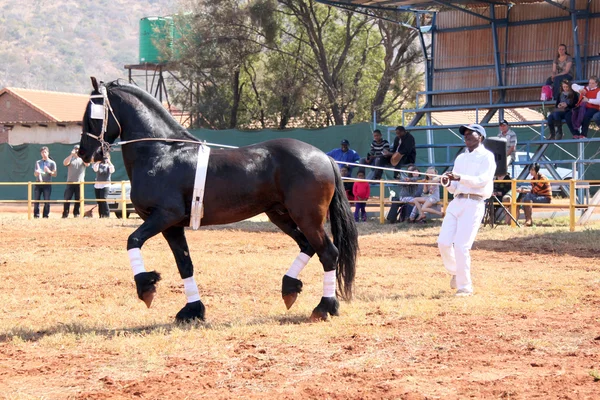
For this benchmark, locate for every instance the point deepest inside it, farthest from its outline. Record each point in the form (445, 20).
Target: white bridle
(101, 112)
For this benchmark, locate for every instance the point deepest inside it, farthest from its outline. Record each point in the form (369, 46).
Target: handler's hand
(452, 176)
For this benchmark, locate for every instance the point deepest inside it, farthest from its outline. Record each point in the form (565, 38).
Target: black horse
(294, 183)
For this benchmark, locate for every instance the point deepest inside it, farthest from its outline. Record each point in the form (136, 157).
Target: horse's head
(100, 125)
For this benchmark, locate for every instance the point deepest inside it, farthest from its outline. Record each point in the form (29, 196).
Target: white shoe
(463, 293)
(453, 282)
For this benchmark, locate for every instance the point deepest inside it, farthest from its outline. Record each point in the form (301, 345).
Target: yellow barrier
(30, 201)
(382, 202)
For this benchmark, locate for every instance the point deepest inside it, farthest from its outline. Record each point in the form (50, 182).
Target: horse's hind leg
(313, 229)
(194, 309)
(291, 286)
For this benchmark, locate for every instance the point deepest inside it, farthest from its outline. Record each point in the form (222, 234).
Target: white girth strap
(199, 183)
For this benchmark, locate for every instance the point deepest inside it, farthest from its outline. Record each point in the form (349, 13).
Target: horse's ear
(94, 83)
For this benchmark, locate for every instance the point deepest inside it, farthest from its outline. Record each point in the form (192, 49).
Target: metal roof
(423, 4)
(56, 106)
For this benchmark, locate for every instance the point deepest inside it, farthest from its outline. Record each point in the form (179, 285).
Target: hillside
(59, 44)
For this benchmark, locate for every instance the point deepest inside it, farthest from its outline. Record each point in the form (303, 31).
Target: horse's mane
(153, 104)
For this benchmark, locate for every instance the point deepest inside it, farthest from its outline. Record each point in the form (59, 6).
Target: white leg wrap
(135, 260)
(329, 284)
(191, 289)
(298, 265)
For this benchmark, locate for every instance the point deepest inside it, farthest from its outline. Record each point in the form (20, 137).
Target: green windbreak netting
(17, 162)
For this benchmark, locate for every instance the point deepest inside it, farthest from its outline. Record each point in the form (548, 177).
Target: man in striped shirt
(376, 157)
(540, 192)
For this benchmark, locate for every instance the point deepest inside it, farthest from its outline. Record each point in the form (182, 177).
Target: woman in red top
(591, 101)
(361, 191)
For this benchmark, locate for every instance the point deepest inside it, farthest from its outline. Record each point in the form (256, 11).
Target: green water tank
(156, 39)
(182, 30)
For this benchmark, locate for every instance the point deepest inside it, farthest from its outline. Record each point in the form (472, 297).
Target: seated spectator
(502, 193)
(376, 157)
(429, 198)
(589, 105)
(345, 153)
(405, 194)
(361, 191)
(347, 184)
(561, 70)
(565, 102)
(511, 141)
(540, 192)
(403, 151)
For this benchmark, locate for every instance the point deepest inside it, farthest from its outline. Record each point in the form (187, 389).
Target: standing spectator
(540, 192)
(590, 101)
(75, 173)
(345, 153)
(472, 182)
(376, 156)
(403, 151)
(565, 102)
(361, 191)
(511, 141)
(348, 185)
(103, 170)
(561, 70)
(45, 169)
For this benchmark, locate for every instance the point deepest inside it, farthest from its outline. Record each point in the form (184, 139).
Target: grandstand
(490, 58)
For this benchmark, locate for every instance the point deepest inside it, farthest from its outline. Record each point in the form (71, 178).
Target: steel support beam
(461, 9)
(578, 66)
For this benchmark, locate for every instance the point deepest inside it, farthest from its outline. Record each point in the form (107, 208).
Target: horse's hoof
(318, 316)
(290, 299)
(148, 296)
(192, 311)
(327, 305)
(145, 283)
(290, 287)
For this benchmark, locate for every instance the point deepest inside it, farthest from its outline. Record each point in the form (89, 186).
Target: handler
(472, 182)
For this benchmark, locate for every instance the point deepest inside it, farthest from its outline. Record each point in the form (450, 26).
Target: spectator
(511, 141)
(376, 157)
(75, 173)
(345, 153)
(103, 170)
(540, 192)
(361, 191)
(406, 194)
(45, 169)
(565, 102)
(429, 198)
(561, 70)
(471, 181)
(502, 193)
(348, 185)
(403, 151)
(589, 105)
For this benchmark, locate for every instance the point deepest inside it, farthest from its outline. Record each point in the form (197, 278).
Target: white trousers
(459, 228)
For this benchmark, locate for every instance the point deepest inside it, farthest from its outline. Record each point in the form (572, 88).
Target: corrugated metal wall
(464, 58)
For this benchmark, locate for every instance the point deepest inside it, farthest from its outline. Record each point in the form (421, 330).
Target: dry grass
(71, 325)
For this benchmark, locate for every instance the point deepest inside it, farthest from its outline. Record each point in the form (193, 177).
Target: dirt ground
(75, 329)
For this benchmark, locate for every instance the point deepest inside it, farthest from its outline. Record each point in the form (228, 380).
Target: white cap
(473, 127)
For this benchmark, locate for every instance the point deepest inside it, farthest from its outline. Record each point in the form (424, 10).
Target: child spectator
(540, 192)
(361, 191)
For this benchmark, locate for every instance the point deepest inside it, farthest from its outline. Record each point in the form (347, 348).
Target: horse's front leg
(194, 309)
(145, 282)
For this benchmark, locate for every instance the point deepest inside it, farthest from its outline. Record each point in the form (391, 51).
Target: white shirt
(476, 170)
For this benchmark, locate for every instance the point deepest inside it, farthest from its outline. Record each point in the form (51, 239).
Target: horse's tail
(345, 236)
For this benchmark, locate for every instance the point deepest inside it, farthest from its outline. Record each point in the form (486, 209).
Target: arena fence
(380, 202)
(82, 200)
